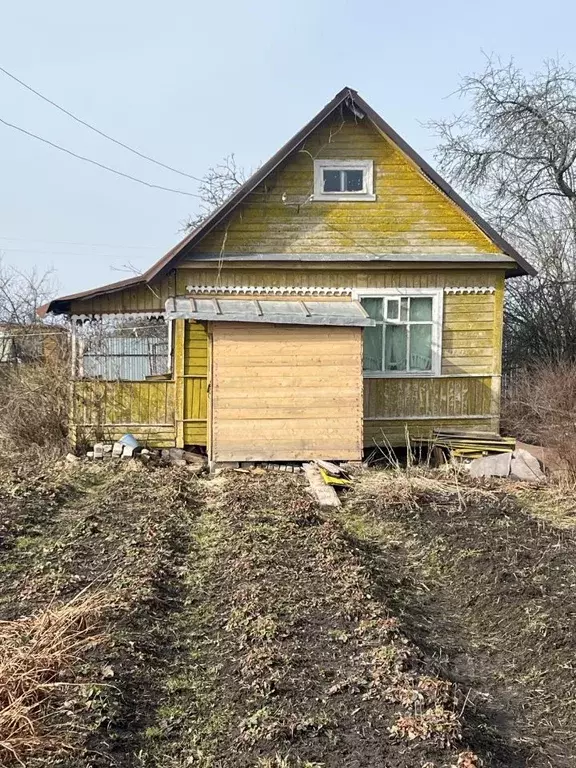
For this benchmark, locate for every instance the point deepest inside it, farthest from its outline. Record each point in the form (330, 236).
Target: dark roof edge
(61, 305)
(442, 184)
(167, 262)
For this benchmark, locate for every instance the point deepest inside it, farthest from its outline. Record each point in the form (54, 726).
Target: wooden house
(343, 295)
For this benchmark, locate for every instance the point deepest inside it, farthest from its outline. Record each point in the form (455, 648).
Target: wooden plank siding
(281, 392)
(410, 214)
(286, 393)
(106, 410)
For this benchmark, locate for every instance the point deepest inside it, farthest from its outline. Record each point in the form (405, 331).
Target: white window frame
(367, 168)
(437, 296)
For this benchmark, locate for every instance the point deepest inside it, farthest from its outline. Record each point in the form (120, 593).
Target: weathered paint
(195, 384)
(410, 214)
(107, 410)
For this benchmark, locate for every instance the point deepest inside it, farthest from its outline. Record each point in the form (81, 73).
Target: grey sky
(190, 82)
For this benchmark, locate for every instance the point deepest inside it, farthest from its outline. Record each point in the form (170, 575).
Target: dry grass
(34, 402)
(36, 655)
(540, 408)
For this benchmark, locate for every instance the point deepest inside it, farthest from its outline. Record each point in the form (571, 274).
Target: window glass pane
(373, 307)
(404, 309)
(421, 347)
(421, 308)
(332, 181)
(396, 344)
(392, 309)
(354, 181)
(373, 348)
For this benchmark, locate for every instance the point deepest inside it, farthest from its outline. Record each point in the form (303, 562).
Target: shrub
(539, 406)
(34, 401)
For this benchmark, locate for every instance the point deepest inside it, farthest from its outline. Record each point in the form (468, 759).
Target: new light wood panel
(282, 393)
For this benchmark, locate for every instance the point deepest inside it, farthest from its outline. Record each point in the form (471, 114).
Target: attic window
(344, 180)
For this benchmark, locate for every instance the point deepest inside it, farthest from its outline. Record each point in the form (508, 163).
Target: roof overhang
(286, 312)
(346, 98)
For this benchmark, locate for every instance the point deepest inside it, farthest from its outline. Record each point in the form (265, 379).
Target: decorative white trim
(267, 290)
(476, 289)
(96, 317)
(367, 168)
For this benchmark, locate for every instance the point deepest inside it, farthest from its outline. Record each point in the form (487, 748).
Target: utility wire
(97, 130)
(69, 242)
(100, 165)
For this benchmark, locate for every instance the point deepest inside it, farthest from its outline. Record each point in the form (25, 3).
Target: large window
(406, 337)
(124, 350)
(344, 180)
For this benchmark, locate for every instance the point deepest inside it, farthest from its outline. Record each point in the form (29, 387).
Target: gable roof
(346, 97)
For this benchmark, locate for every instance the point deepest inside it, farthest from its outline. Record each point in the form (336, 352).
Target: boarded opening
(286, 393)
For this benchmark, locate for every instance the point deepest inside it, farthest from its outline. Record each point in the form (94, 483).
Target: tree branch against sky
(220, 181)
(516, 143)
(513, 151)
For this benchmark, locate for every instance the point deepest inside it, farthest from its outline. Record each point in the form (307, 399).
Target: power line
(97, 130)
(99, 165)
(82, 245)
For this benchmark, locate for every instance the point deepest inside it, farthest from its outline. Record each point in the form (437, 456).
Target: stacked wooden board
(470, 444)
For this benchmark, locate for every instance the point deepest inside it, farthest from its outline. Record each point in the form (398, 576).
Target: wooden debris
(471, 444)
(331, 480)
(330, 468)
(325, 495)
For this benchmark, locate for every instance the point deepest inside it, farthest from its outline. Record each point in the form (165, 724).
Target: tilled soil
(425, 625)
(489, 593)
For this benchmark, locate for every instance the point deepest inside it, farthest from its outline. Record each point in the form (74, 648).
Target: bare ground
(426, 625)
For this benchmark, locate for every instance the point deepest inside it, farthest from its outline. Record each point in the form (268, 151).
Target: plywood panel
(286, 393)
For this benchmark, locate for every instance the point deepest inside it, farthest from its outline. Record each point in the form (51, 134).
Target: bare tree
(21, 293)
(217, 185)
(513, 150)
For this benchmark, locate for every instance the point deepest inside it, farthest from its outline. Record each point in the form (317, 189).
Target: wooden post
(179, 335)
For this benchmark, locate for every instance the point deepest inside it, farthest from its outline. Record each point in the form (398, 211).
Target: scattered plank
(324, 494)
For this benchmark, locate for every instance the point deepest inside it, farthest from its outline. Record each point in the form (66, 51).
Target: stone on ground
(525, 466)
(497, 465)
(117, 449)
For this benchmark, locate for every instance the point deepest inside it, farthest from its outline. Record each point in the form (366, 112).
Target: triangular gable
(349, 99)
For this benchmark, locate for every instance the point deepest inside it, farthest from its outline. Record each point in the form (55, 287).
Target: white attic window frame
(365, 194)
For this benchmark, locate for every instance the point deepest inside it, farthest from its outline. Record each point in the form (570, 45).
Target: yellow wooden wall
(286, 392)
(466, 395)
(106, 410)
(410, 215)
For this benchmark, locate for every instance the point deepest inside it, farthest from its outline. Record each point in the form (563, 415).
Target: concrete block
(89, 454)
(128, 452)
(324, 494)
(99, 451)
(497, 465)
(525, 466)
(108, 447)
(117, 449)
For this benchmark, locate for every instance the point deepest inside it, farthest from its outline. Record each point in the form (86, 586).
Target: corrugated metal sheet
(125, 358)
(297, 312)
